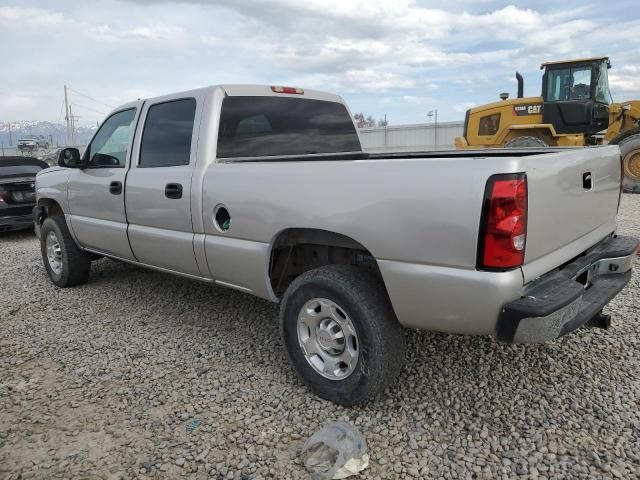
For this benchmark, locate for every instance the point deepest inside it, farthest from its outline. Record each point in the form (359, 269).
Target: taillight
(292, 90)
(503, 227)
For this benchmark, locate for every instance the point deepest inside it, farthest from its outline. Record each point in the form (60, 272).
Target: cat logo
(533, 109)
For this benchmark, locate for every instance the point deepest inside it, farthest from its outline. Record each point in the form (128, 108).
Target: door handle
(173, 190)
(115, 188)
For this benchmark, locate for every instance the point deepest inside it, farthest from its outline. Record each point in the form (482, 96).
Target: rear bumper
(564, 300)
(17, 222)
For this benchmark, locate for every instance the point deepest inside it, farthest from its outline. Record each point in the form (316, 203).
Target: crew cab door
(96, 193)
(158, 188)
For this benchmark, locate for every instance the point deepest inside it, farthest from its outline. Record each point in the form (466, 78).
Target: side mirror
(70, 158)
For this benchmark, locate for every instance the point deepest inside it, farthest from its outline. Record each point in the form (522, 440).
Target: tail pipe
(520, 85)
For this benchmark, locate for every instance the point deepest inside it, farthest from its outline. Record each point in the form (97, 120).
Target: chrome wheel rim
(54, 253)
(328, 339)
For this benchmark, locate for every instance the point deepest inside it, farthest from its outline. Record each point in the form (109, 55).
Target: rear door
(158, 188)
(573, 200)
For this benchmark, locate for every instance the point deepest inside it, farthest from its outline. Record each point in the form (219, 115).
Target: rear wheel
(341, 334)
(525, 142)
(630, 151)
(65, 263)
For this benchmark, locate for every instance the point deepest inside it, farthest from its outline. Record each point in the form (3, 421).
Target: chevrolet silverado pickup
(267, 190)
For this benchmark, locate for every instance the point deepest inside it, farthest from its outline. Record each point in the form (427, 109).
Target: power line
(88, 108)
(90, 98)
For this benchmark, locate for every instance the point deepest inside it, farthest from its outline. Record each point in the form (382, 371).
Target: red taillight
(292, 90)
(503, 228)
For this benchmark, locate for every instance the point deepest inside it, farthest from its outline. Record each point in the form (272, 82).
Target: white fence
(397, 138)
(416, 137)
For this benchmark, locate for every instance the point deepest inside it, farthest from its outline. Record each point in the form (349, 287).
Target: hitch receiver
(601, 320)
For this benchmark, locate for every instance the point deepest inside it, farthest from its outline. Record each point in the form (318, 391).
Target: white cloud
(464, 106)
(400, 54)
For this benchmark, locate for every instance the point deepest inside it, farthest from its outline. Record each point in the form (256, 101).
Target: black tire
(525, 142)
(75, 263)
(630, 152)
(380, 337)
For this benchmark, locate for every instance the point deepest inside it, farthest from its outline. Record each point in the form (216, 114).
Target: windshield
(274, 126)
(569, 84)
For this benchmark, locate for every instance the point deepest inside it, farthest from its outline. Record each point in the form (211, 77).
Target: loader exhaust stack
(520, 85)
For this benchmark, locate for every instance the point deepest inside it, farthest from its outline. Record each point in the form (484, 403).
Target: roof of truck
(242, 90)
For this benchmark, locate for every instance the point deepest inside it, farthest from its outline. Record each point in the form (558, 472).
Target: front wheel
(65, 263)
(341, 334)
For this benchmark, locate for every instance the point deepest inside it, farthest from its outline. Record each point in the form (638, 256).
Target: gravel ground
(139, 374)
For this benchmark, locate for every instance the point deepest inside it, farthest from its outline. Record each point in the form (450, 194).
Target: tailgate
(573, 201)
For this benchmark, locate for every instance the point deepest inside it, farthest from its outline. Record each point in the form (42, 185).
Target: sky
(399, 58)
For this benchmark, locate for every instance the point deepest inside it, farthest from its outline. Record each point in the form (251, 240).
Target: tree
(369, 121)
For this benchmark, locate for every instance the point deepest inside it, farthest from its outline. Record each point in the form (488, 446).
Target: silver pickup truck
(267, 190)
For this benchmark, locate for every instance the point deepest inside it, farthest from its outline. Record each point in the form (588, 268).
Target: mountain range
(56, 133)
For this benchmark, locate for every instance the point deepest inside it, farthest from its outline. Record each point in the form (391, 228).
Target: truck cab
(576, 95)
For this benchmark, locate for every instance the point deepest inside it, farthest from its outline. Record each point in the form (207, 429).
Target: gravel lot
(139, 374)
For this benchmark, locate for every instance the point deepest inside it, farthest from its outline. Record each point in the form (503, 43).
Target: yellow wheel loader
(575, 109)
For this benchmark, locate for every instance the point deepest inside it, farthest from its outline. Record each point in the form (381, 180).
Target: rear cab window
(277, 126)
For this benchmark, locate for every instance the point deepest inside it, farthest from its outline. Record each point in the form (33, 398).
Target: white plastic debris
(336, 451)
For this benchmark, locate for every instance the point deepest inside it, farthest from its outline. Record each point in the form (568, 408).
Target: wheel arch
(50, 206)
(294, 251)
(624, 135)
(543, 132)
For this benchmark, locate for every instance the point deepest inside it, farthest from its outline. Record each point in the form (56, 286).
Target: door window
(109, 146)
(166, 139)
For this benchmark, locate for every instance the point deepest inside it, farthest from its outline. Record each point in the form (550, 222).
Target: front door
(158, 190)
(96, 194)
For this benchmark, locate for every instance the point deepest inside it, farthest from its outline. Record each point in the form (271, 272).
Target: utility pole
(72, 119)
(434, 113)
(10, 138)
(385, 129)
(67, 115)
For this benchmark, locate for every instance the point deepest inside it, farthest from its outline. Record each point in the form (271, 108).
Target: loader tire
(630, 152)
(525, 142)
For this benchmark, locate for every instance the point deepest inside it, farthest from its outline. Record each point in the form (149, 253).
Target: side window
(489, 125)
(166, 139)
(109, 146)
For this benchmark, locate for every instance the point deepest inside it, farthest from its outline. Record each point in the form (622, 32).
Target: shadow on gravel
(17, 236)
(440, 368)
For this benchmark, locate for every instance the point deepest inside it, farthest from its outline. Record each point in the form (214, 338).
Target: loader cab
(576, 95)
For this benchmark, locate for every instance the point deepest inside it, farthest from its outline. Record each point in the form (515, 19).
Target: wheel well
(298, 250)
(629, 133)
(543, 134)
(51, 208)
